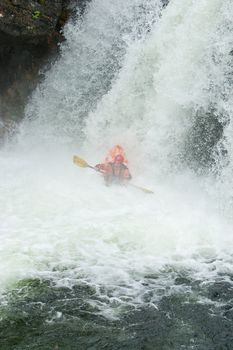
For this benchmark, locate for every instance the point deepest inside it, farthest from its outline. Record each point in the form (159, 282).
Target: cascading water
(79, 259)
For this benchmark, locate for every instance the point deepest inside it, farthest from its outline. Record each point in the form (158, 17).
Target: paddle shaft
(83, 164)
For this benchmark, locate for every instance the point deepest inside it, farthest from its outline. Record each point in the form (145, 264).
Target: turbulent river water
(84, 266)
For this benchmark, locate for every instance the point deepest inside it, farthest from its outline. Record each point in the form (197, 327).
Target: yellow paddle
(142, 188)
(83, 164)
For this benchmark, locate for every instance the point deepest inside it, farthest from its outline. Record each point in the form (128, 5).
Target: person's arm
(127, 175)
(100, 167)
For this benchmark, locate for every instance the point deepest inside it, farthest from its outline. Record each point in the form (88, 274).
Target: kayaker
(115, 172)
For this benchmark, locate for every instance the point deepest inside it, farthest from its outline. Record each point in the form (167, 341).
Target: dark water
(38, 315)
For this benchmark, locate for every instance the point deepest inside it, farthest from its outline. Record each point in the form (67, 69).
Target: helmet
(119, 159)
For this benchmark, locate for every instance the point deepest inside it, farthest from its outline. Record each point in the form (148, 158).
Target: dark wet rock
(30, 34)
(202, 138)
(30, 21)
(165, 2)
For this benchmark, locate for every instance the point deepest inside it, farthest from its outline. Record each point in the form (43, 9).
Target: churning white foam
(59, 221)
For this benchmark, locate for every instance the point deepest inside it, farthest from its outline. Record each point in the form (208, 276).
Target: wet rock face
(29, 20)
(165, 2)
(29, 35)
(19, 71)
(30, 31)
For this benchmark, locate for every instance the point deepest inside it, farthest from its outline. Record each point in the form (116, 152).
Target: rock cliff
(29, 35)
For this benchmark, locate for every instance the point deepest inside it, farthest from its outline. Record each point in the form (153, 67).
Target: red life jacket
(116, 172)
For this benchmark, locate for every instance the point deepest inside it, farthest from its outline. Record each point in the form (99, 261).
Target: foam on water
(59, 221)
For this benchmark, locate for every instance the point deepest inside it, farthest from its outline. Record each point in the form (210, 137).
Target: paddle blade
(80, 162)
(142, 189)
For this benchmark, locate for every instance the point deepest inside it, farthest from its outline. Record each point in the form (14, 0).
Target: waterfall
(158, 81)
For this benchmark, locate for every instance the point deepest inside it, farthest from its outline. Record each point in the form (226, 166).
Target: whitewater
(150, 78)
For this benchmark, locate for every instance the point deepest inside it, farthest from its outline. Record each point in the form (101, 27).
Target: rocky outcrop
(165, 2)
(32, 21)
(30, 31)
(29, 35)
